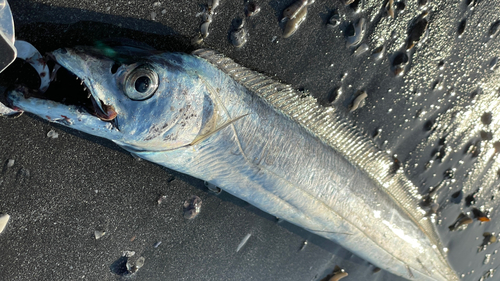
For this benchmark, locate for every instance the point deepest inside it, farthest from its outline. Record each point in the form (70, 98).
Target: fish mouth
(67, 88)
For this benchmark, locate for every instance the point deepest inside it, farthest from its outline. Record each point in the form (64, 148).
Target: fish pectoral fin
(202, 137)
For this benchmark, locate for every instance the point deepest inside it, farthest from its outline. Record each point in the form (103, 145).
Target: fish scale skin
(304, 181)
(270, 160)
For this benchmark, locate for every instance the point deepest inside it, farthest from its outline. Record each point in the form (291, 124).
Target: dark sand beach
(435, 108)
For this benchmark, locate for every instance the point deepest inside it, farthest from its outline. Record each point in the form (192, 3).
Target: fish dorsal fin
(334, 130)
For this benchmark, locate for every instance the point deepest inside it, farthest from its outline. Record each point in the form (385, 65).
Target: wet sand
(433, 119)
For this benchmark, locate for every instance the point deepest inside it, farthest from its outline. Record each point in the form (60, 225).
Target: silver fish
(256, 138)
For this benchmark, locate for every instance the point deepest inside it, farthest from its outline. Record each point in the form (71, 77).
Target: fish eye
(141, 83)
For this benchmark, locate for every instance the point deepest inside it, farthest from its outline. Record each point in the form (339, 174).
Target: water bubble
(461, 27)
(204, 29)
(440, 152)
(486, 118)
(363, 48)
(493, 63)
(395, 166)
(350, 30)
(494, 29)
(197, 39)
(378, 53)
(376, 133)
(399, 63)
(400, 6)
(473, 95)
(293, 10)
(496, 145)
(339, 273)
(449, 174)
(389, 8)
(487, 136)
(239, 35)
(457, 197)
(440, 65)
(356, 5)
(493, 239)
(461, 222)
(471, 3)
(251, 9)
(486, 258)
(471, 199)
(355, 32)
(334, 20)
(192, 207)
(23, 175)
(436, 85)
(489, 238)
(334, 95)
(474, 149)
(206, 17)
(294, 23)
(212, 4)
(213, 188)
(417, 30)
(304, 244)
(400, 59)
(428, 125)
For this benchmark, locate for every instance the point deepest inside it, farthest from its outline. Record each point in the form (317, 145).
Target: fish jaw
(67, 115)
(77, 103)
(84, 66)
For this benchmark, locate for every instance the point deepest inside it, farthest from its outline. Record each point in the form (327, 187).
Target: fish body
(255, 138)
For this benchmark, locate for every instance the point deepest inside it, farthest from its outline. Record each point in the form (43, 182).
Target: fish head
(140, 98)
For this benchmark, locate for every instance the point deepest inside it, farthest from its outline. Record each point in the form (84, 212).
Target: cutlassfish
(256, 138)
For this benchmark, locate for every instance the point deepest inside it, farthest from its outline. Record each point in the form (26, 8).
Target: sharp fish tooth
(53, 74)
(88, 96)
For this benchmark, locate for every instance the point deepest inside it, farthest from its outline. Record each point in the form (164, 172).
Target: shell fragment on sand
(4, 219)
(99, 234)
